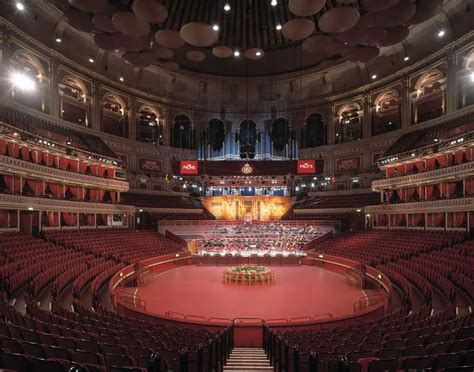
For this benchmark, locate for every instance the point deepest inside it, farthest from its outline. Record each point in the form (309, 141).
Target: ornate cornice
(8, 201)
(438, 175)
(445, 205)
(171, 210)
(25, 168)
(327, 210)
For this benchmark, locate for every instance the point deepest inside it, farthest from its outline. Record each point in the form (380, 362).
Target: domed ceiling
(246, 37)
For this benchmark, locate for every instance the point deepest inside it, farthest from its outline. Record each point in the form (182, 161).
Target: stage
(198, 292)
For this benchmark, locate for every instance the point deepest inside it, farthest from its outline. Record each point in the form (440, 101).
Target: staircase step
(248, 362)
(247, 358)
(247, 369)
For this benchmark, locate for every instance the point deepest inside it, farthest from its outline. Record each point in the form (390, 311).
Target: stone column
(96, 106)
(406, 103)
(451, 93)
(53, 90)
(367, 123)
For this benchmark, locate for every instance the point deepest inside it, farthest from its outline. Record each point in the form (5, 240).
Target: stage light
(236, 53)
(215, 27)
(278, 27)
(406, 58)
(121, 79)
(441, 33)
(22, 82)
(20, 6)
(258, 54)
(91, 60)
(374, 77)
(274, 3)
(58, 40)
(227, 7)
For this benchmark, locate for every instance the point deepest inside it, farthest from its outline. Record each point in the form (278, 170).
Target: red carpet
(298, 291)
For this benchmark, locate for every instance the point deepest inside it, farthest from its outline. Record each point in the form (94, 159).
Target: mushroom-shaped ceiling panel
(397, 15)
(104, 23)
(195, 56)
(305, 8)
(92, 6)
(297, 29)
(199, 34)
(171, 66)
(222, 51)
(395, 35)
(150, 10)
(129, 24)
(163, 52)
(339, 20)
(169, 39)
(378, 5)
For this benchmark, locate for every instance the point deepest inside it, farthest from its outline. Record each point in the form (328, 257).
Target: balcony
(442, 205)
(459, 171)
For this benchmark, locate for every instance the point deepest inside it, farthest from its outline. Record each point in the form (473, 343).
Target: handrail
(132, 299)
(359, 304)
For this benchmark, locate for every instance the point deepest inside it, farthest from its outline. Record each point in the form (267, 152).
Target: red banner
(189, 167)
(306, 167)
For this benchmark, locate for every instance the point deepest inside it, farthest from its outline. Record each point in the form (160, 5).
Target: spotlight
(236, 53)
(471, 76)
(227, 7)
(278, 27)
(91, 60)
(22, 82)
(406, 58)
(215, 27)
(374, 77)
(441, 33)
(121, 79)
(274, 3)
(258, 54)
(20, 6)
(58, 40)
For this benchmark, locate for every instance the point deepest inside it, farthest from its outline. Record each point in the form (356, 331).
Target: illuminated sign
(306, 166)
(189, 167)
(246, 169)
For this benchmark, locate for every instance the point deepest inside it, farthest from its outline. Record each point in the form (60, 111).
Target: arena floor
(299, 291)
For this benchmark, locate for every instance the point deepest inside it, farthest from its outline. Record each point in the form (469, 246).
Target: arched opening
(28, 81)
(149, 128)
(429, 102)
(387, 115)
(467, 82)
(114, 118)
(315, 131)
(247, 139)
(350, 123)
(182, 132)
(280, 137)
(74, 105)
(215, 136)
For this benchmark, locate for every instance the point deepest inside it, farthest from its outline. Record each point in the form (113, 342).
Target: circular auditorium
(236, 185)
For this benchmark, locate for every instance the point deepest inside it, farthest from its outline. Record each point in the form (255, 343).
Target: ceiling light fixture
(406, 58)
(278, 27)
(227, 7)
(91, 60)
(441, 33)
(374, 77)
(215, 27)
(258, 54)
(471, 75)
(22, 82)
(58, 40)
(121, 79)
(236, 53)
(274, 3)
(20, 6)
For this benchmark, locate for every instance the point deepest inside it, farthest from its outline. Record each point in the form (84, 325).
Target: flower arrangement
(249, 274)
